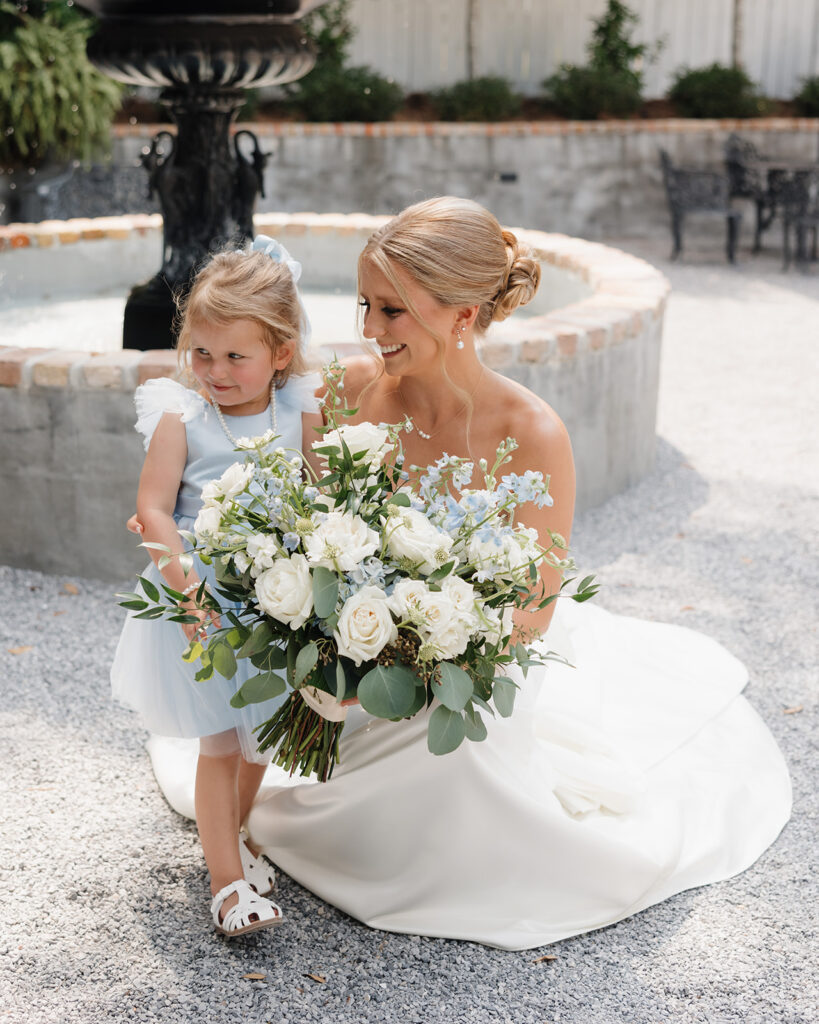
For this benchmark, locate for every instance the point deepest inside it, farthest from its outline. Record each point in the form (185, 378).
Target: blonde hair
(238, 285)
(457, 251)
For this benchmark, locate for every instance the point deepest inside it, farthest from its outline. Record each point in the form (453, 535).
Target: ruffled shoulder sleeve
(160, 395)
(299, 392)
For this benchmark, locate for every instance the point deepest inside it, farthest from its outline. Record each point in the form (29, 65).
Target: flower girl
(243, 331)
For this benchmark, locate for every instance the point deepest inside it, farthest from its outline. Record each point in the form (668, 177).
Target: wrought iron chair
(748, 180)
(691, 190)
(798, 194)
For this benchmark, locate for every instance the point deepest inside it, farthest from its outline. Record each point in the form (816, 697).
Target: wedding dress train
(637, 773)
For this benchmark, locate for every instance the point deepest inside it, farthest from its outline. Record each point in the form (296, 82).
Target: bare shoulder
(533, 423)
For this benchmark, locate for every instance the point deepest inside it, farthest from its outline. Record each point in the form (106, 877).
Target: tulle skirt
(637, 773)
(149, 675)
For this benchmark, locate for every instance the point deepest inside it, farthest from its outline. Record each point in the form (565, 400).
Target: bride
(634, 772)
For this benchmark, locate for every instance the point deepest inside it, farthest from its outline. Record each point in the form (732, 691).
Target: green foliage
(53, 102)
(611, 83)
(584, 93)
(715, 91)
(332, 91)
(335, 93)
(489, 98)
(807, 99)
(330, 31)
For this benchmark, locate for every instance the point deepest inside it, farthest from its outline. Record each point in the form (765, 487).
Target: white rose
(232, 482)
(361, 437)
(451, 639)
(462, 596)
(406, 597)
(436, 609)
(262, 550)
(365, 625)
(341, 542)
(207, 523)
(412, 536)
(285, 591)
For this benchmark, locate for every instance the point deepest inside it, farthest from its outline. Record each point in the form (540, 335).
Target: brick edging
(381, 129)
(628, 297)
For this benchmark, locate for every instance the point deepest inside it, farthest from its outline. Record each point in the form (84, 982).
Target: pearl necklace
(224, 426)
(423, 433)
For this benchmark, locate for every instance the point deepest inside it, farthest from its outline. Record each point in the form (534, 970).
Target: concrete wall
(597, 179)
(69, 457)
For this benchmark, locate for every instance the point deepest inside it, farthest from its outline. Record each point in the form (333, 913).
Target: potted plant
(55, 107)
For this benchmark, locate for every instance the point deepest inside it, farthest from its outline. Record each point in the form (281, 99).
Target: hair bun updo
(521, 281)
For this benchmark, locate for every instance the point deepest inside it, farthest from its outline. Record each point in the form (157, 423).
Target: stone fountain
(203, 56)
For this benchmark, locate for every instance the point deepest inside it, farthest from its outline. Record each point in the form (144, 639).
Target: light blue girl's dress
(148, 673)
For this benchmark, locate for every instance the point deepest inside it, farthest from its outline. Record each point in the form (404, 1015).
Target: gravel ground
(104, 893)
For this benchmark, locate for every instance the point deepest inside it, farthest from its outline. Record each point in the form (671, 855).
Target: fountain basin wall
(70, 458)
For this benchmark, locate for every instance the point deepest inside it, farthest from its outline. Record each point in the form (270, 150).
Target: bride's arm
(544, 445)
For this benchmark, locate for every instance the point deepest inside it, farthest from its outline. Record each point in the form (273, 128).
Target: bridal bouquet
(360, 585)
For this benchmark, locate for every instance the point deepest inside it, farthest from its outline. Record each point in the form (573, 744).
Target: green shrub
(611, 82)
(53, 103)
(715, 91)
(807, 99)
(332, 91)
(335, 93)
(489, 98)
(584, 93)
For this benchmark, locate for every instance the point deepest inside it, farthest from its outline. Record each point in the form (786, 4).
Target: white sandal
(240, 918)
(257, 869)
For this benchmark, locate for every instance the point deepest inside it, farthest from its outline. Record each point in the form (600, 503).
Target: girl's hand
(134, 525)
(205, 617)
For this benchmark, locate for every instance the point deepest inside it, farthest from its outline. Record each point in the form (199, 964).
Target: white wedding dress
(637, 773)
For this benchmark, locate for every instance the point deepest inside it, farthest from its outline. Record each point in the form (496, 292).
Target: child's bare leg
(217, 818)
(250, 778)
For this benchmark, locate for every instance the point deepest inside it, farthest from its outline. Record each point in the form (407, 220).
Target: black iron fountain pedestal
(206, 189)
(203, 56)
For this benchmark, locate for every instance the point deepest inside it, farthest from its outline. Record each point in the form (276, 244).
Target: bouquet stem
(302, 738)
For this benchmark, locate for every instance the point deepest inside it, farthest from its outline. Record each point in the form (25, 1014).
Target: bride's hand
(349, 701)
(134, 525)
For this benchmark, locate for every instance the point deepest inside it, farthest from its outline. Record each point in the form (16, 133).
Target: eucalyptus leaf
(474, 728)
(446, 731)
(325, 591)
(193, 651)
(258, 641)
(400, 498)
(387, 691)
(341, 681)
(264, 686)
(305, 663)
(454, 688)
(224, 660)
(503, 693)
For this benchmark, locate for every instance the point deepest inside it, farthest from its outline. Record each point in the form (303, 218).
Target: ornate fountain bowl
(182, 55)
(202, 55)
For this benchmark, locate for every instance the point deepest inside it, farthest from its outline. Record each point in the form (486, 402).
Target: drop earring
(460, 341)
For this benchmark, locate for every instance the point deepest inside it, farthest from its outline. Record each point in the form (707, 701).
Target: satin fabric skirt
(636, 773)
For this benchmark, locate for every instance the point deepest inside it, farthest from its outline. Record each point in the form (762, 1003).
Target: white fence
(423, 44)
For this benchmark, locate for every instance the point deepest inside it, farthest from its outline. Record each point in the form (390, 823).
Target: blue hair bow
(277, 252)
